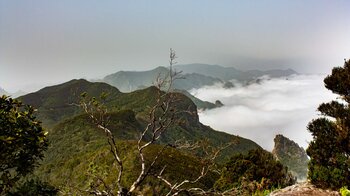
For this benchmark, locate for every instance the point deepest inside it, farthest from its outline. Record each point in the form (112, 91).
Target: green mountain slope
(78, 151)
(53, 104)
(76, 143)
(58, 102)
(203, 105)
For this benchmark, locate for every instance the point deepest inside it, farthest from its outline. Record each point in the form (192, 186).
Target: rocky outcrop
(218, 103)
(304, 189)
(291, 155)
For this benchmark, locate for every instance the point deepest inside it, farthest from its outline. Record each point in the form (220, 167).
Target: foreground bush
(34, 187)
(344, 191)
(22, 142)
(256, 171)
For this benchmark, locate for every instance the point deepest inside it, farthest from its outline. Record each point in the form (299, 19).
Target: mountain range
(78, 149)
(127, 81)
(193, 76)
(76, 143)
(58, 103)
(231, 73)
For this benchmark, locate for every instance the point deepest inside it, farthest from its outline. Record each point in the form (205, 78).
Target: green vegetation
(56, 103)
(135, 104)
(202, 105)
(344, 191)
(34, 187)
(22, 142)
(329, 166)
(79, 154)
(254, 172)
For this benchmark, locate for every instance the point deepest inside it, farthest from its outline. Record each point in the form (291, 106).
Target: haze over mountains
(14, 95)
(194, 76)
(231, 73)
(53, 101)
(75, 139)
(259, 78)
(58, 103)
(70, 129)
(3, 92)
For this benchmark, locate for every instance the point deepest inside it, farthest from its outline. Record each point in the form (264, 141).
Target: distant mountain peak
(62, 98)
(3, 92)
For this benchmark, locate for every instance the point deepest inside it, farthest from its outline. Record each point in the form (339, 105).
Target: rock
(303, 189)
(228, 85)
(218, 103)
(291, 155)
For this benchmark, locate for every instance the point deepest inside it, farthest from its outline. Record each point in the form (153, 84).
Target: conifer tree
(329, 152)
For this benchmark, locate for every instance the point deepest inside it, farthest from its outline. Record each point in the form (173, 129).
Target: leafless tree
(162, 115)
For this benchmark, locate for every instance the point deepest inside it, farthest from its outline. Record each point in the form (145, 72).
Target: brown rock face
(291, 155)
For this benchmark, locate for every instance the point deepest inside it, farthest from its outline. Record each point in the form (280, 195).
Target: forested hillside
(76, 144)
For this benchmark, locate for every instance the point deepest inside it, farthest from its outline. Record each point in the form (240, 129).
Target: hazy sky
(46, 41)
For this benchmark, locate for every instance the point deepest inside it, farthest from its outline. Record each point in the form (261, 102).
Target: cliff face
(291, 155)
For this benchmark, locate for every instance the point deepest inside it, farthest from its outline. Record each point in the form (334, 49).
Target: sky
(261, 111)
(47, 42)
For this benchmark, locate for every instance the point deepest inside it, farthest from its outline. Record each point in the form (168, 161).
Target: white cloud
(260, 111)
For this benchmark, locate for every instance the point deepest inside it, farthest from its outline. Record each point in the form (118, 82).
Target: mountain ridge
(127, 81)
(192, 76)
(54, 107)
(77, 144)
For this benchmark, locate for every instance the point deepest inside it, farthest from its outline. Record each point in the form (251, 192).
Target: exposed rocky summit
(218, 103)
(302, 189)
(291, 155)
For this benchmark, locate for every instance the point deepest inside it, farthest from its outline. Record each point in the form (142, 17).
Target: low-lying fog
(261, 110)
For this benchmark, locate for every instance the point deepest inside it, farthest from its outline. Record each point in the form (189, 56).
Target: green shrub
(253, 173)
(22, 142)
(344, 191)
(34, 187)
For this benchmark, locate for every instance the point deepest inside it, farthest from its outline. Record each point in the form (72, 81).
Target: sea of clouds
(261, 110)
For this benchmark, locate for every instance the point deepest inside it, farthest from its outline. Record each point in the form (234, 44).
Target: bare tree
(210, 154)
(161, 116)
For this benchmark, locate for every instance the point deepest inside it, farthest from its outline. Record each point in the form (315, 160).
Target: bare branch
(161, 116)
(209, 163)
(98, 113)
